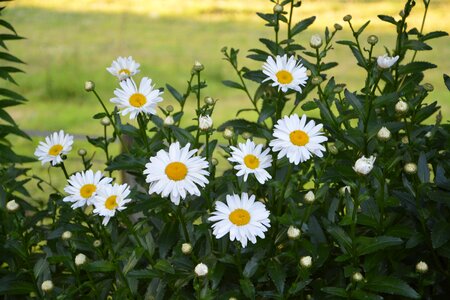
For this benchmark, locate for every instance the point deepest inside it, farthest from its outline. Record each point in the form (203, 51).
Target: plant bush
(354, 204)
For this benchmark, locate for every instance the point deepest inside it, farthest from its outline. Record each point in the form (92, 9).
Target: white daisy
(250, 160)
(297, 140)
(134, 100)
(242, 217)
(176, 173)
(124, 67)
(83, 187)
(286, 74)
(55, 145)
(109, 199)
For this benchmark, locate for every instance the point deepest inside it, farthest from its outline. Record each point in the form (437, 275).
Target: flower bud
(67, 235)
(357, 277)
(401, 107)
(293, 233)
(105, 121)
(205, 123)
(405, 140)
(345, 189)
(47, 286)
(347, 18)
(89, 86)
(12, 206)
(309, 197)
(384, 134)
(421, 267)
(316, 80)
(168, 121)
(364, 165)
(80, 259)
(333, 149)
(410, 168)
(97, 243)
(209, 101)
(169, 108)
(316, 41)
(214, 161)
(306, 262)
(201, 270)
(247, 135)
(337, 27)
(428, 87)
(82, 152)
(372, 40)
(385, 61)
(186, 248)
(339, 88)
(198, 67)
(278, 8)
(402, 13)
(228, 133)
(428, 134)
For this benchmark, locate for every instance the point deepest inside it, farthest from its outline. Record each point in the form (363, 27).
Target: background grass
(69, 42)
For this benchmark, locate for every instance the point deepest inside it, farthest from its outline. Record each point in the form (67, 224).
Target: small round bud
(169, 108)
(333, 149)
(186, 248)
(428, 134)
(347, 18)
(306, 262)
(401, 107)
(316, 80)
(82, 152)
(67, 235)
(89, 86)
(168, 121)
(384, 134)
(421, 267)
(97, 243)
(309, 197)
(198, 67)
(357, 277)
(214, 161)
(205, 123)
(228, 133)
(293, 233)
(337, 26)
(232, 298)
(278, 8)
(428, 87)
(338, 88)
(345, 189)
(247, 135)
(80, 259)
(201, 270)
(410, 168)
(12, 206)
(316, 41)
(224, 49)
(364, 165)
(209, 100)
(372, 40)
(405, 140)
(105, 121)
(402, 13)
(47, 286)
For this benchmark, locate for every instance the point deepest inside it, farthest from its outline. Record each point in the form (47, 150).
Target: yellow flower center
(125, 71)
(111, 203)
(87, 190)
(239, 217)
(138, 100)
(176, 171)
(251, 161)
(55, 149)
(284, 77)
(299, 138)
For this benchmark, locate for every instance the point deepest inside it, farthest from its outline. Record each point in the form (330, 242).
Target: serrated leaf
(417, 45)
(391, 285)
(415, 67)
(302, 25)
(433, 35)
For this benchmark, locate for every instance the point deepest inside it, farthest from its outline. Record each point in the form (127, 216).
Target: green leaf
(272, 46)
(251, 266)
(175, 93)
(11, 95)
(233, 84)
(310, 105)
(440, 234)
(355, 102)
(242, 125)
(298, 286)
(302, 25)
(267, 110)
(447, 81)
(388, 19)
(433, 35)
(277, 274)
(247, 288)
(41, 268)
(133, 260)
(8, 57)
(417, 45)
(182, 135)
(422, 168)
(335, 291)
(341, 237)
(165, 266)
(7, 25)
(369, 245)
(391, 285)
(415, 67)
(361, 29)
(100, 266)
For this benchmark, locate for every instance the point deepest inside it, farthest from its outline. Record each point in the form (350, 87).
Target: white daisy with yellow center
(251, 159)
(242, 217)
(83, 187)
(55, 145)
(133, 100)
(297, 140)
(124, 67)
(285, 73)
(109, 199)
(176, 173)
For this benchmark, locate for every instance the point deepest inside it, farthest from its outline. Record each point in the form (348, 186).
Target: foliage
(367, 236)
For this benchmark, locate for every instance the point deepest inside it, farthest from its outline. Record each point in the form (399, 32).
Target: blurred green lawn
(69, 42)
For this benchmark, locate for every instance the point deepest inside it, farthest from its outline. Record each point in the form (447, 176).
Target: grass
(69, 42)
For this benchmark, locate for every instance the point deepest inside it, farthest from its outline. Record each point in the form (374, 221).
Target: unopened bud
(410, 168)
(82, 152)
(89, 86)
(402, 13)
(401, 107)
(428, 87)
(97, 243)
(201, 270)
(228, 133)
(428, 134)
(421, 267)
(198, 67)
(209, 101)
(338, 88)
(293, 233)
(306, 262)
(205, 123)
(316, 41)
(169, 108)
(186, 248)
(372, 40)
(316, 80)
(168, 121)
(384, 134)
(405, 140)
(12, 206)
(80, 259)
(278, 8)
(345, 189)
(309, 197)
(337, 26)
(67, 235)
(333, 149)
(214, 161)
(357, 277)
(347, 18)
(247, 135)
(47, 286)
(105, 121)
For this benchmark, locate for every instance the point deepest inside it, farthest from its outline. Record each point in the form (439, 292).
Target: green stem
(290, 21)
(143, 129)
(183, 223)
(108, 159)
(63, 168)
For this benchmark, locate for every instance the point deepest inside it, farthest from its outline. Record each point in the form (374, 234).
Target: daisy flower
(251, 160)
(242, 217)
(297, 140)
(109, 199)
(176, 173)
(134, 100)
(83, 187)
(55, 145)
(124, 67)
(285, 73)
